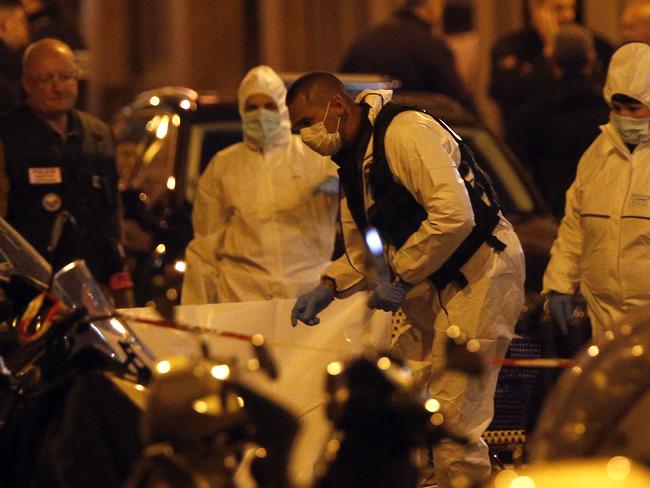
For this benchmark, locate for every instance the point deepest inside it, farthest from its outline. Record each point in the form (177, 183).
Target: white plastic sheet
(302, 353)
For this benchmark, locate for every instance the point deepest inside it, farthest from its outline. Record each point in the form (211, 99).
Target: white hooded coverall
(262, 228)
(423, 157)
(603, 244)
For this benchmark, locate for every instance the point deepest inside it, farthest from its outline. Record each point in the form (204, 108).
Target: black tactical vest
(397, 215)
(63, 196)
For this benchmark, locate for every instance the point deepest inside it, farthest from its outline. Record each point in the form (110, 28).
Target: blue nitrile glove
(560, 306)
(311, 304)
(329, 186)
(389, 296)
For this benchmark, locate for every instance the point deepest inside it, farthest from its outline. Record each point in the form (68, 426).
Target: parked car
(166, 137)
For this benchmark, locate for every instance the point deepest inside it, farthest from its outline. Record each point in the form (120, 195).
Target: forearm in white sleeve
(349, 271)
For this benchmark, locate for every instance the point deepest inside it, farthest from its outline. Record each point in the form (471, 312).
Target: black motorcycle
(71, 371)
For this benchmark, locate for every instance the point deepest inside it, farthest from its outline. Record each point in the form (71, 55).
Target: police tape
(532, 363)
(506, 362)
(195, 329)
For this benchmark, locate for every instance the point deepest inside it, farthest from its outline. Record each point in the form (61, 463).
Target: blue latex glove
(329, 186)
(389, 296)
(560, 306)
(311, 304)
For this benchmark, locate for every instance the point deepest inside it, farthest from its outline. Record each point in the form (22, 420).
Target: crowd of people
(266, 211)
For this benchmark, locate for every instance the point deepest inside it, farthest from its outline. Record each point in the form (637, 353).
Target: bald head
(634, 23)
(50, 77)
(45, 48)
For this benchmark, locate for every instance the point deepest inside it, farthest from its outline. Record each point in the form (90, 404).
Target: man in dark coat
(58, 179)
(405, 48)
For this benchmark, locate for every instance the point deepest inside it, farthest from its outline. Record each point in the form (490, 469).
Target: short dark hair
(624, 99)
(315, 86)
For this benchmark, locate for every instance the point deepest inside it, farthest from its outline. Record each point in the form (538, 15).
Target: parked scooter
(61, 346)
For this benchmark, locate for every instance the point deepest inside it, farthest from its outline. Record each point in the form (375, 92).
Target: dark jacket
(71, 184)
(520, 70)
(404, 48)
(550, 132)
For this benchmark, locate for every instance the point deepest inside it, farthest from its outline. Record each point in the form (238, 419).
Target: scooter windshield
(17, 256)
(77, 287)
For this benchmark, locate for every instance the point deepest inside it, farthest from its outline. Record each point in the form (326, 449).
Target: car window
(515, 197)
(145, 152)
(205, 140)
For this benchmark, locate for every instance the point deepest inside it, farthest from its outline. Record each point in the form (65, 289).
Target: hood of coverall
(262, 79)
(376, 99)
(629, 73)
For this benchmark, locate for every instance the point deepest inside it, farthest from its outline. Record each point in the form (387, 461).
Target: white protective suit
(603, 244)
(423, 157)
(263, 229)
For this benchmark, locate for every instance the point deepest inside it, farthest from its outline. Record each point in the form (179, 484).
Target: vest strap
(495, 243)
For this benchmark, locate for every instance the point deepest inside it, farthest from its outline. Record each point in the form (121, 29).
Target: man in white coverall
(265, 212)
(602, 246)
(422, 158)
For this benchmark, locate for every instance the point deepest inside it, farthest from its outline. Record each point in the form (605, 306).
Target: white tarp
(302, 353)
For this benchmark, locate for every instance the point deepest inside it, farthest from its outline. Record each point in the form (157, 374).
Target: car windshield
(145, 152)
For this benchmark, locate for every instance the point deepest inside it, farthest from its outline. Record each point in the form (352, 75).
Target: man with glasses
(58, 179)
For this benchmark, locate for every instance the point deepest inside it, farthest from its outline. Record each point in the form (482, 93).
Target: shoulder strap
(385, 116)
(470, 169)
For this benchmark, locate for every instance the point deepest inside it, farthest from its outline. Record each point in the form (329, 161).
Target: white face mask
(318, 139)
(632, 131)
(261, 126)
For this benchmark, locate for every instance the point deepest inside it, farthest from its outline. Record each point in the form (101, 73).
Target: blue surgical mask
(632, 131)
(261, 126)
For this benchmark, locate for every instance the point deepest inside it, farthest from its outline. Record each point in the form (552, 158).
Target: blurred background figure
(264, 216)
(410, 47)
(635, 22)
(550, 131)
(521, 65)
(47, 19)
(14, 36)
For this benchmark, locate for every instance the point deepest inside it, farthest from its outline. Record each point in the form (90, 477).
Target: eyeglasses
(49, 80)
